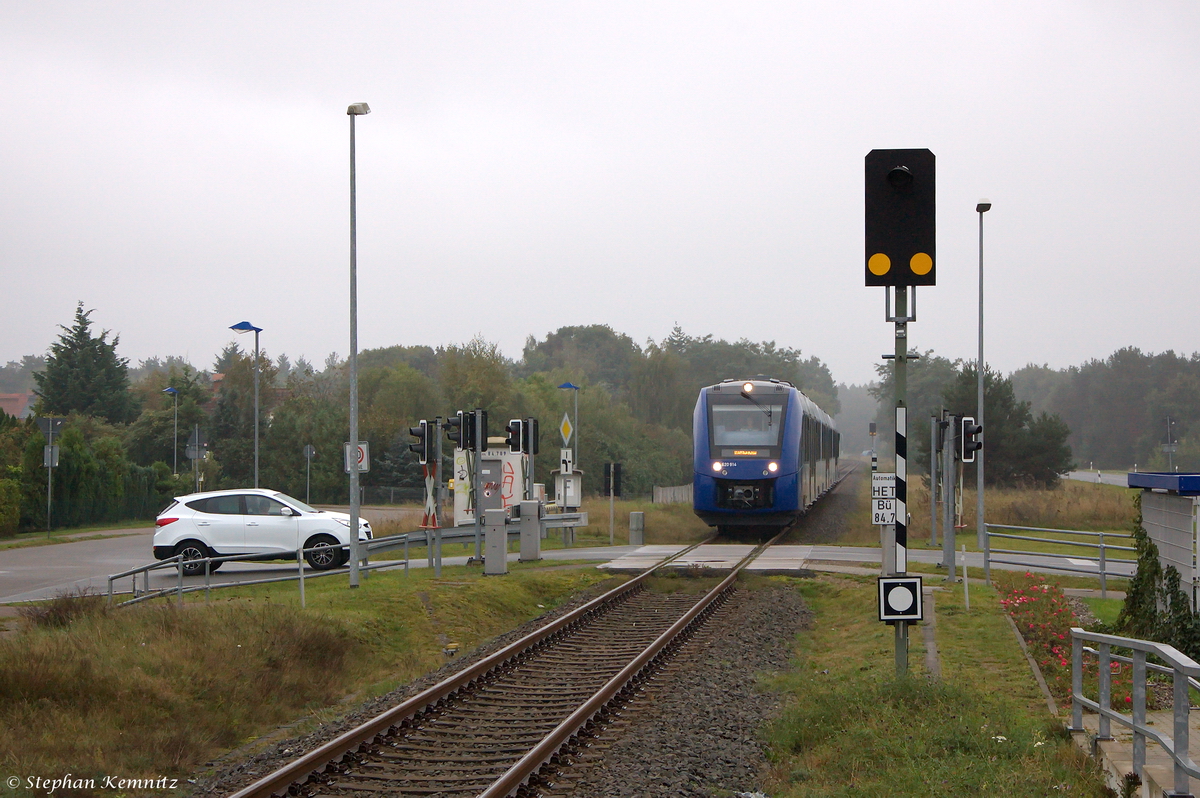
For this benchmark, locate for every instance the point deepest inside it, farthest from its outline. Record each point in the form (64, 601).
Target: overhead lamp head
(358, 109)
(245, 327)
(983, 206)
(171, 391)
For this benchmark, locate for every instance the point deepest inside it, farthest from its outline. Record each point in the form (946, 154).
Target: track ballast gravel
(696, 730)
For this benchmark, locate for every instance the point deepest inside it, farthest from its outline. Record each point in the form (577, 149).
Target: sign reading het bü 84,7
(883, 498)
(883, 511)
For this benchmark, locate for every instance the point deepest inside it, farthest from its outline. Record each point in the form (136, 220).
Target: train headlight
(772, 467)
(748, 387)
(717, 466)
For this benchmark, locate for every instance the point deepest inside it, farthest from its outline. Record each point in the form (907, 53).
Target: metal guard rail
(378, 545)
(1103, 561)
(1184, 672)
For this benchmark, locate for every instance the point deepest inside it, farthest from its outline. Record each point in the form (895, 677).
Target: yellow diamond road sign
(566, 429)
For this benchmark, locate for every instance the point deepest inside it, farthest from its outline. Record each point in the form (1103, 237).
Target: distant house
(16, 404)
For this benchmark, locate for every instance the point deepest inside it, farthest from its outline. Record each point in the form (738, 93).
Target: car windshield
(299, 505)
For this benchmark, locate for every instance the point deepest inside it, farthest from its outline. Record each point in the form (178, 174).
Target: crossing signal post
(900, 237)
(530, 444)
(476, 421)
(523, 437)
(612, 486)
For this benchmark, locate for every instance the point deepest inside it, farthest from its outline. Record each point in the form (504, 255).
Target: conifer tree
(84, 375)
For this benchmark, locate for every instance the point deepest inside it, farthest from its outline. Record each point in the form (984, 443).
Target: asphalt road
(1095, 476)
(43, 572)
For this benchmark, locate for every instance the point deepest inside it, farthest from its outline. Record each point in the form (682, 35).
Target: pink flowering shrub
(1044, 618)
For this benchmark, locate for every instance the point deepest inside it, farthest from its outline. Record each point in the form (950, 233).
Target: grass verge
(853, 728)
(153, 690)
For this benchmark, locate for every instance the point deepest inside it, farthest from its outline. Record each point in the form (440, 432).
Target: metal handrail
(1061, 542)
(1102, 549)
(1192, 682)
(1184, 672)
(1062, 531)
(376, 545)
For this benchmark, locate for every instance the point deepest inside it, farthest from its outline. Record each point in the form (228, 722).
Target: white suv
(252, 521)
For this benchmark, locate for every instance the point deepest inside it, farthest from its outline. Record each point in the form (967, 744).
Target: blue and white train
(763, 454)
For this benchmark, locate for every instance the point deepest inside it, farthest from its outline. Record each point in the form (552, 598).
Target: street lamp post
(355, 110)
(175, 441)
(245, 327)
(982, 207)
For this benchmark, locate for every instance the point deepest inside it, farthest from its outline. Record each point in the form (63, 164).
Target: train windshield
(747, 424)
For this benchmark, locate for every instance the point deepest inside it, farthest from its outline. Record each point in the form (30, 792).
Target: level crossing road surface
(1100, 477)
(42, 572)
(792, 558)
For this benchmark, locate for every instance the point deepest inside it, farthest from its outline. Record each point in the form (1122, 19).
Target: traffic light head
(968, 439)
(900, 217)
(456, 430)
(515, 429)
(422, 446)
(530, 443)
(479, 434)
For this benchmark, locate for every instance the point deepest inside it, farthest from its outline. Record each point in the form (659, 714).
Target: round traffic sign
(900, 598)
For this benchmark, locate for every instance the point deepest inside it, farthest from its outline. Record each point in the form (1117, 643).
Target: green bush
(10, 506)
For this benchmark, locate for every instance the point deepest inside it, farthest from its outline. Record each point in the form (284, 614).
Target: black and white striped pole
(900, 237)
(900, 559)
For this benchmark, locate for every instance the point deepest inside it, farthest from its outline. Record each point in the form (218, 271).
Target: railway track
(501, 726)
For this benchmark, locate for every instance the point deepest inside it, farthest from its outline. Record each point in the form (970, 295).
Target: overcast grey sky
(181, 167)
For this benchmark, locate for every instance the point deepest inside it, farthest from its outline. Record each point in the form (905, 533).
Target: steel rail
(332, 751)
(526, 767)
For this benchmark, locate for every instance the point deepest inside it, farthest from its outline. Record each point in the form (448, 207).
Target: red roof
(16, 404)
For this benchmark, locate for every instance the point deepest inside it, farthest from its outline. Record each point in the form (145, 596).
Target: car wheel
(327, 555)
(191, 551)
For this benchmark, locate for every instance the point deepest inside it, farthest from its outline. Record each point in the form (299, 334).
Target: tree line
(119, 442)
(1118, 408)
(1021, 448)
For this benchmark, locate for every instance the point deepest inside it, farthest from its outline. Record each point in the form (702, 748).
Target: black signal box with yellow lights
(901, 218)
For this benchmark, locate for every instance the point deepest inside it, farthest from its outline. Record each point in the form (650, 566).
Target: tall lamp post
(174, 392)
(245, 327)
(982, 207)
(355, 110)
(575, 421)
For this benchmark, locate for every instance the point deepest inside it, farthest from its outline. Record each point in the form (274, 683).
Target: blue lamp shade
(245, 327)
(171, 391)
(572, 386)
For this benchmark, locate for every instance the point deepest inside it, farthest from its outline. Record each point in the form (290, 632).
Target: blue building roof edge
(1183, 484)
